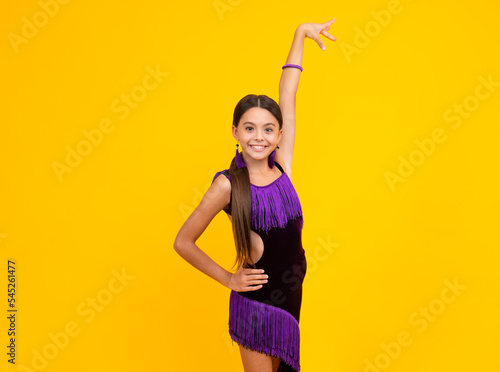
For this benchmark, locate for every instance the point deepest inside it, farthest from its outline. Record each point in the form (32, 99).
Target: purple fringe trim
(264, 328)
(274, 205)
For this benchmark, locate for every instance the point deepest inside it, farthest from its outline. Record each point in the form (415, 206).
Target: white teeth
(259, 147)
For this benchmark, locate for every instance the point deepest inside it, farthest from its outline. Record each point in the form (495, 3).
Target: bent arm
(214, 200)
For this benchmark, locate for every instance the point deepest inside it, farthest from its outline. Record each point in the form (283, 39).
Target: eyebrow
(249, 122)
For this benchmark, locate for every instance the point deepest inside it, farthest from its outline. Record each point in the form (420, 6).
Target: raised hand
(313, 30)
(242, 279)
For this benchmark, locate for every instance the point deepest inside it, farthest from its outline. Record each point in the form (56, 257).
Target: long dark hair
(241, 195)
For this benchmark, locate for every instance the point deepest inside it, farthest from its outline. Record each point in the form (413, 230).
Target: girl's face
(258, 132)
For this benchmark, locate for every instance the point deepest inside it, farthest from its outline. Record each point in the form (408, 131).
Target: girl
(257, 194)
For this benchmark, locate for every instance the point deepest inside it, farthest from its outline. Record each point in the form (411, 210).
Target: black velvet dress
(267, 319)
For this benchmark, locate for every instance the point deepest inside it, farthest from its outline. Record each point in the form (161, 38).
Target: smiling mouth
(258, 147)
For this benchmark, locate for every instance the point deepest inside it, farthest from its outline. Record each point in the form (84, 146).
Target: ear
(280, 134)
(235, 133)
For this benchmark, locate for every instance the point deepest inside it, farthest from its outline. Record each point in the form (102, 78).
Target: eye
(269, 129)
(248, 128)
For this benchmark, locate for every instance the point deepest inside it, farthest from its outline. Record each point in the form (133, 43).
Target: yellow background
(358, 116)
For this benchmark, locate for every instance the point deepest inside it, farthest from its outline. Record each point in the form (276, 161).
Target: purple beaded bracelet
(296, 66)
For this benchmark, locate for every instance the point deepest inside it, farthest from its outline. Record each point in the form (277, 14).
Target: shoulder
(222, 181)
(279, 167)
(215, 199)
(221, 186)
(283, 169)
(222, 177)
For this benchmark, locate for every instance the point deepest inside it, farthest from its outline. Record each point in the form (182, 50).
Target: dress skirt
(267, 320)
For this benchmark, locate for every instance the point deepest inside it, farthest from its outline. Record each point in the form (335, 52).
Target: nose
(258, 135)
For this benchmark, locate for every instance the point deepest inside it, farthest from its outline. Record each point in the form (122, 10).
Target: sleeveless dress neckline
(270, 183)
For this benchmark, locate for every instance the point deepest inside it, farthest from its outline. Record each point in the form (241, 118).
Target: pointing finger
(329, 22)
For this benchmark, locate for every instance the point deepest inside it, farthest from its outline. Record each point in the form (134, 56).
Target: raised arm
(289, 84)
